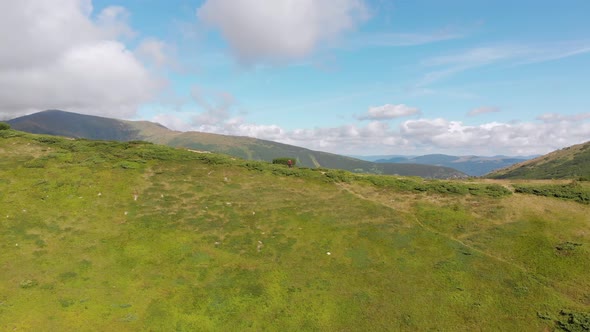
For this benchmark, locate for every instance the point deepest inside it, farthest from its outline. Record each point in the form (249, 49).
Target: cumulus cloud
(483, 110)
(388, 112)
(113, 21)
(280, 30)
(55, 55)
(494, 137)
(418, 136)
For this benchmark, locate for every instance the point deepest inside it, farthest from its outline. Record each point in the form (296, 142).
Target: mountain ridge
(471, 165)
(57, 122)
(568, 163)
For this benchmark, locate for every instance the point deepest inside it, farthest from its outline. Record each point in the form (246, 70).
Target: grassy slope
(571, 162)
(213, 243)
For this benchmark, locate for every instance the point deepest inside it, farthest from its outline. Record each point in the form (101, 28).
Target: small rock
(328, 253)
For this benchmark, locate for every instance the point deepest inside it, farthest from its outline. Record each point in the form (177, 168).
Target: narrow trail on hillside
(538, 278)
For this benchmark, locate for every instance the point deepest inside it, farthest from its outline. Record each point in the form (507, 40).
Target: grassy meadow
(108, 236)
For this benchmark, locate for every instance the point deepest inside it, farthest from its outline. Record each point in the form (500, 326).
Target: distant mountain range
(56, 122)
(568, 163)
(471, 165)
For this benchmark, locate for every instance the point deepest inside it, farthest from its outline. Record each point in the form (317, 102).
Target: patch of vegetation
(574, 191)
(287, 161)
(573, 321)
(4, 126)
(28, 283)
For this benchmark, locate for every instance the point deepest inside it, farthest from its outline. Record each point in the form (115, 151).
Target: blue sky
(345, 76)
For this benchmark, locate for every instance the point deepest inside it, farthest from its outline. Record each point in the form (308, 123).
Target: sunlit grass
(183, 241)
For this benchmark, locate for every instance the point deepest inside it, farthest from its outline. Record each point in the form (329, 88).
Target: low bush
(285, 161)
(573, 321)
(572, 191)
(4, 126)
(336, 175)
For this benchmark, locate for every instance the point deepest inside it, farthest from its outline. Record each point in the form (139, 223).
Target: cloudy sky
(360, 77)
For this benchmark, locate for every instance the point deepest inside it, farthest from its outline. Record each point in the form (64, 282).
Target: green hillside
(55, 122)
(69, 124)
(133, 236)
(569, 163)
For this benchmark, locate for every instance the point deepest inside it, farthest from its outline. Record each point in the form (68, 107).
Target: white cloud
(420, 136)
(388, 112)
(155, 51)
(483, 110)
(54, 55)
(113, 21)
(423, 136)
(261, 31)
(494, 137)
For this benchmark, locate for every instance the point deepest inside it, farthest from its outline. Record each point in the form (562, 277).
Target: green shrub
(572, 191)
(284, 161)
(4, 126)
(573, 321)
(337, 175)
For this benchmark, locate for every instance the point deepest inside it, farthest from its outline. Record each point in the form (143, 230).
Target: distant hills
(471, 165)
(568, 163)
(57, 122)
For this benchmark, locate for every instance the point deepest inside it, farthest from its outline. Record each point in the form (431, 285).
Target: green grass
(213, 243)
